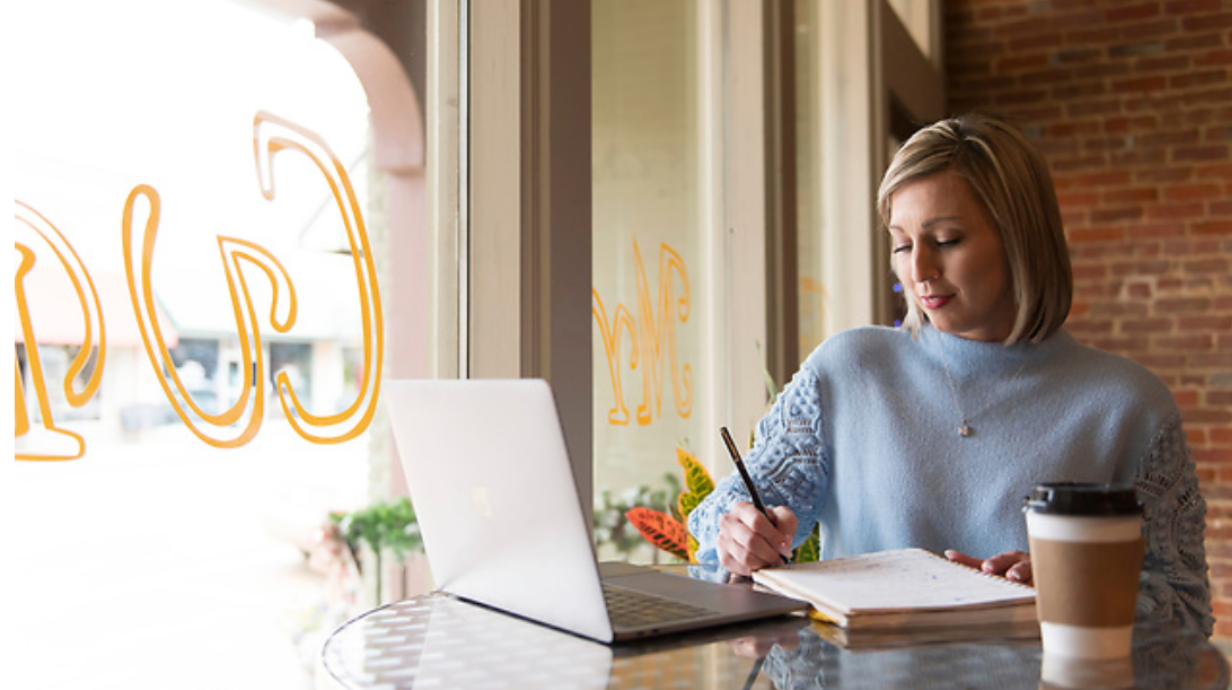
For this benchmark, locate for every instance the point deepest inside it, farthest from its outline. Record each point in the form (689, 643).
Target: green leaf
(382, 525)
(686, 502)
(696, 478)
(810, 549)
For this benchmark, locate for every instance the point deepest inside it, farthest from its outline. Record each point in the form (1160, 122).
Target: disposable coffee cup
(1086, 555)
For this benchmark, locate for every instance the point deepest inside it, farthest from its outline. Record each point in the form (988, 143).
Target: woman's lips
(933, 302)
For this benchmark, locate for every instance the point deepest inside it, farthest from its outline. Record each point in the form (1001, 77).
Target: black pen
(748, 481)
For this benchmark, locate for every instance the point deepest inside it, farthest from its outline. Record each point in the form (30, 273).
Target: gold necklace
(965, 430)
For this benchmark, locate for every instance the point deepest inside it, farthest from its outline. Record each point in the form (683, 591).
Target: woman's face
(950, 259)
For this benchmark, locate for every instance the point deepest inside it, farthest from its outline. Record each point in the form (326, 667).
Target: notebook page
(895, 580)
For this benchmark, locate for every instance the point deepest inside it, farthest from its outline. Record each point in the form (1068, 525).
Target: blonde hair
(1011, 180)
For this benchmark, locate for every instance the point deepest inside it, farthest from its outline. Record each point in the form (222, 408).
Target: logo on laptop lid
(479, 496)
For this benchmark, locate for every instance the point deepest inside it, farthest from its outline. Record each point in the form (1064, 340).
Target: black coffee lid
(1092, 500)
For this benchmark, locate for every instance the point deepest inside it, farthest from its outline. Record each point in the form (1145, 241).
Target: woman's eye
(947, 243)
(901, 248)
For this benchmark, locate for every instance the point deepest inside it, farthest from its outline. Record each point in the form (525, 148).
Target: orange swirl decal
(238, 424)
(619, 414)
(272, 135)
(653, 339)
(215, 429)
(45, 441)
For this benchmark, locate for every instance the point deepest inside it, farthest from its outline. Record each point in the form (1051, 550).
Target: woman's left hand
(1013, 565)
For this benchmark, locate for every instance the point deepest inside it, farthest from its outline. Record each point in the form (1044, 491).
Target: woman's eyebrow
(939, 219)
(926, 224)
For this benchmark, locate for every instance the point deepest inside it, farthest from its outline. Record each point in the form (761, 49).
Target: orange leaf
(660, 529)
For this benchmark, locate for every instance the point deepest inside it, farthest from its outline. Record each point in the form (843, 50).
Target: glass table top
(438, 641)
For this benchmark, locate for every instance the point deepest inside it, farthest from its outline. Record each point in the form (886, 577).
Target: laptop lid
(489, 476)
(502, 523)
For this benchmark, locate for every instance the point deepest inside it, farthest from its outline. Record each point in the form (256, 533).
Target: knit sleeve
(787, 464)
(1174, 582)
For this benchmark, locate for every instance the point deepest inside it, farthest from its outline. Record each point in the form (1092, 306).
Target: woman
(931, 434)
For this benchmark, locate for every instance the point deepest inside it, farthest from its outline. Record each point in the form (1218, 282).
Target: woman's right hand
(748, 541)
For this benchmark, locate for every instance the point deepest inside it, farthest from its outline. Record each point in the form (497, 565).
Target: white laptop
(502, 524)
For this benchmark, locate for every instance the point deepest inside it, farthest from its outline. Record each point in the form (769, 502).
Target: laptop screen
(494, 493)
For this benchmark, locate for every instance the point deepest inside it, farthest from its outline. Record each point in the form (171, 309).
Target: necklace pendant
(964, 430)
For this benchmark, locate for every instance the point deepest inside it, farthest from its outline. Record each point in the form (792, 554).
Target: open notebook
(902, 588)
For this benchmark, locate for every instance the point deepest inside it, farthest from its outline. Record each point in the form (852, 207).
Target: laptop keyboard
(634, 609)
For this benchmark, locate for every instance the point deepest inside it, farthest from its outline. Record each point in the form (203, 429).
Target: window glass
(169, 502)
(646, 259)
(812, 297)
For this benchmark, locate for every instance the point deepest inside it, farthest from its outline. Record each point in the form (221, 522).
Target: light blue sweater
(864, 441)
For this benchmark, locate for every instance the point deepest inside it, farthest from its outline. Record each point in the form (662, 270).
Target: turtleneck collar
(973, 356)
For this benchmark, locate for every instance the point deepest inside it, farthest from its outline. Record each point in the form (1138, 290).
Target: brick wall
(1131, 103)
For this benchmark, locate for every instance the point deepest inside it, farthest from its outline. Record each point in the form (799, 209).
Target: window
(679, 290)
(598, 211)
(648, 298)
(191, 481)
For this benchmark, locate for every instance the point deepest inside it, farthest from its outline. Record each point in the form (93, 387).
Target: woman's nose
(923, 266)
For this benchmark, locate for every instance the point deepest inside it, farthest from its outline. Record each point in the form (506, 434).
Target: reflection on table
(438, 641)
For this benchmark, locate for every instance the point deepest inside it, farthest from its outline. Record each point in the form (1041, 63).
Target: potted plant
(383, 527)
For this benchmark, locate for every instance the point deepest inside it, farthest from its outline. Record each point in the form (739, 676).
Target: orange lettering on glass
(271, 136)
(43, 440)
(621, 320)
(215, 429)
(653, 339)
